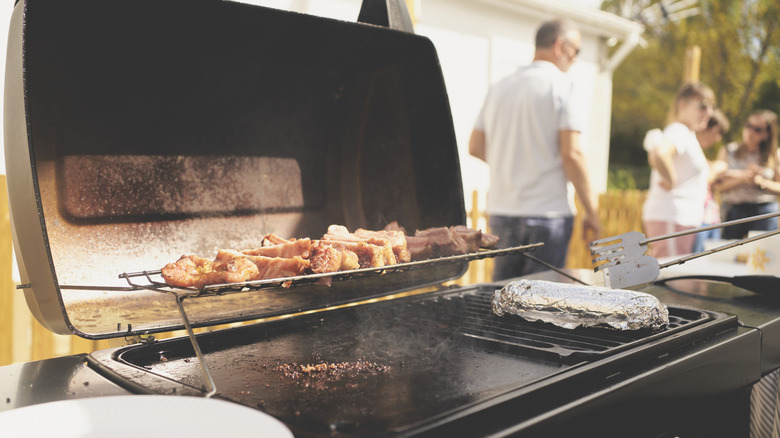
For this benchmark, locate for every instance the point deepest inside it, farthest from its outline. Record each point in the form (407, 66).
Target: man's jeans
(555, 233)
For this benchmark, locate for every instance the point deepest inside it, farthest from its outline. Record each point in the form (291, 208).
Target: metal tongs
(625, 264)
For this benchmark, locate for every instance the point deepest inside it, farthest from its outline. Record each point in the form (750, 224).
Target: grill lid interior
(155, 129)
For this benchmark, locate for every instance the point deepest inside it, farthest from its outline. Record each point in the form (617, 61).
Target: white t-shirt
(684, 204)
(521, 117)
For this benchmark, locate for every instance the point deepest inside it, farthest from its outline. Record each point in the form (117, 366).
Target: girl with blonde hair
(679, 176)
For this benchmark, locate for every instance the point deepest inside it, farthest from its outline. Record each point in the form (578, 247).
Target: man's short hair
(551, 30)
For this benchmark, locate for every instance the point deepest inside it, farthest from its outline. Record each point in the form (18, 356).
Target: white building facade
(482, 41)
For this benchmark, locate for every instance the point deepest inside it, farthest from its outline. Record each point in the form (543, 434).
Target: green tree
(740, 52)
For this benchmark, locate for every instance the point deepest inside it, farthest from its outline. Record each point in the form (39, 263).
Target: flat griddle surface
(425, 359)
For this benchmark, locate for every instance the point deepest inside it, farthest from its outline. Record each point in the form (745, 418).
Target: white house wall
(482, 41)
(501, 40)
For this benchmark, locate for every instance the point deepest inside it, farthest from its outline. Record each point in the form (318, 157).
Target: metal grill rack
(219, 289)
(180, 294)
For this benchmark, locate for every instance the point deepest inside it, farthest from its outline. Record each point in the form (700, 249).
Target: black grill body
(443, 362)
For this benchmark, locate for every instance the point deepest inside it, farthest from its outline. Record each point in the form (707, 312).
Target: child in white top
(678, 181)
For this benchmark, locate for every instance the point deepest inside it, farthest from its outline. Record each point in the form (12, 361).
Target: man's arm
(477, 144)
(576, 167)
(660, 156)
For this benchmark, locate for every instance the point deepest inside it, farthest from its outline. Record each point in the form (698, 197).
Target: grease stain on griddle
(319, 374)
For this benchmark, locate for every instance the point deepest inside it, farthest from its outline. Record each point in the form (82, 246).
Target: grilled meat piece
(268, 267)
(444, 241)
(325, 258)
(364, 247)
(420, 248)
(332, 257)
(489, 240)
(369, 256)
(194, 271)
(448, 241)
(349, 259)
(471, 237)
(396, 238)
(290, 248)
(272, 239)
(277, 267)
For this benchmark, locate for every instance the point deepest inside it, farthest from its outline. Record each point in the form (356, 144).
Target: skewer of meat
(338, 250)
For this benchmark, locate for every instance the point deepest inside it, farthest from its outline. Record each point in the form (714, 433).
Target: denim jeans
(741, 211)
(555, 233)
(698, 243)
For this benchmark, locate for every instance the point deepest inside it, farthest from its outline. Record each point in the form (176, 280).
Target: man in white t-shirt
(528, 132)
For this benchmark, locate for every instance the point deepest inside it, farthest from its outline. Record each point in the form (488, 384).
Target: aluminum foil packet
(571, 305)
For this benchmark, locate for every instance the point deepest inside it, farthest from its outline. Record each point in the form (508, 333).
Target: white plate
(138, 416)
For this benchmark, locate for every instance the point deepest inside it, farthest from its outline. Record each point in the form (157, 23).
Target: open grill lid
(138, 131)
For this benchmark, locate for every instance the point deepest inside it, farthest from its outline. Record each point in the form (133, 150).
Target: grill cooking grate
(150, 280)
(470, 314)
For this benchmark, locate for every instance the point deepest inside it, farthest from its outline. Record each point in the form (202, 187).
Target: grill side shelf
(148, 280)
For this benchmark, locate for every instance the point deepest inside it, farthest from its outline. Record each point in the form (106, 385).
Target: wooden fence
(620, 212)
(23, 339)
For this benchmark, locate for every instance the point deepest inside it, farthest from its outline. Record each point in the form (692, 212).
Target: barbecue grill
(140, 131)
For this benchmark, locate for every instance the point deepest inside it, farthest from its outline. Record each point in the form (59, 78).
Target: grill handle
(388, 13)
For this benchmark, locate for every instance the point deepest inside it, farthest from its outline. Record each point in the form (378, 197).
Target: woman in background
(748, 174)
(712, 134)
(678, 180)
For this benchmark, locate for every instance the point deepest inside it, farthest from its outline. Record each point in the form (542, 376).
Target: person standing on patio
(678, 179)
(748, 183)
(528, 132)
